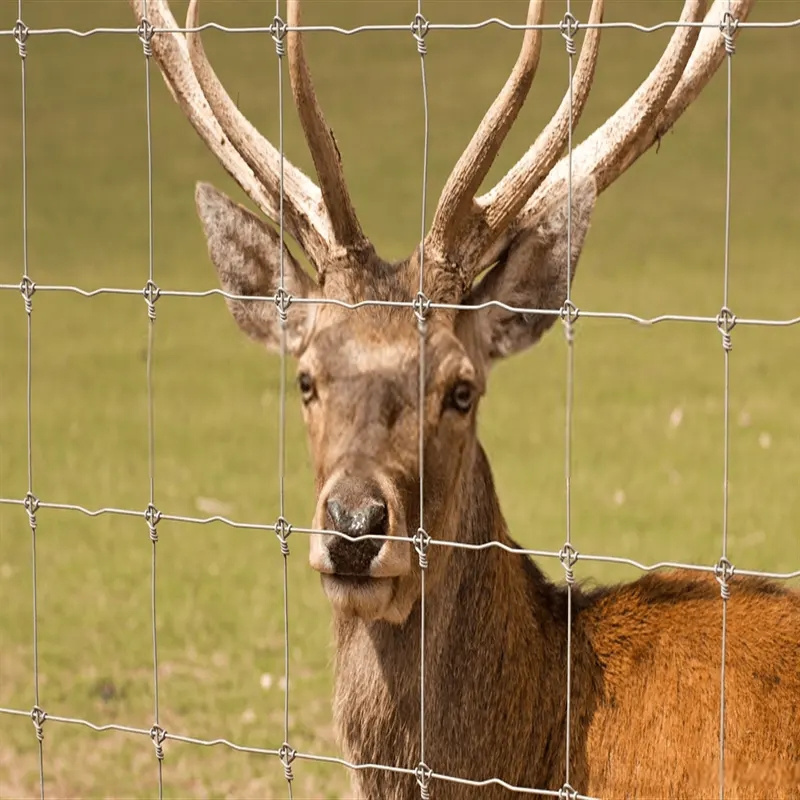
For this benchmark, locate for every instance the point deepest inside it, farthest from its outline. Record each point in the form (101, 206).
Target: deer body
(646, 656)
(645, 682)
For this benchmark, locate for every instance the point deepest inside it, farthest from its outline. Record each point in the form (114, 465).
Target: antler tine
(607, 152)
(303, 210)
(499, 206)
(705, 61)
(324, 151)
(470, 170)
(616, 144)
(170, 49)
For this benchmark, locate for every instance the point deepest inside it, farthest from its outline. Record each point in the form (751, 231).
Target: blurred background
(648, 413)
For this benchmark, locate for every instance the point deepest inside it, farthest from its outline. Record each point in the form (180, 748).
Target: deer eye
(307, 387)
(461, 397)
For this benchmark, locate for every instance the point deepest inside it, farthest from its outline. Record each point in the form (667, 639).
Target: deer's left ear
(531, 272)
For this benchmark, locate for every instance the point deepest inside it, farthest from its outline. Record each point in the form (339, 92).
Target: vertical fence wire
(727, 30)
(420, 30)
(151, 293)
(27, 288)
(569, 28)
(282, 528)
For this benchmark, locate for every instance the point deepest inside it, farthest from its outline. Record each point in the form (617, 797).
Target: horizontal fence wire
(724, 320)
(523, 551)
(431, 26)
(576, 313)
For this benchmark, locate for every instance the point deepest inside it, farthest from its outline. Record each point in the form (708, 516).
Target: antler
(468, 233)
(536, 181)
(323, 222)
(480, 153)
(327, 159)
(458, 214)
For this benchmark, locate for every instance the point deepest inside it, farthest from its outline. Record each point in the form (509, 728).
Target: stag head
(359, 370)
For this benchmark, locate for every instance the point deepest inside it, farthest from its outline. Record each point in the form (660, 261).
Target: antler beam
(493, 211)
(686, 67)
(321, 143)
(323, 222)
(477, 159)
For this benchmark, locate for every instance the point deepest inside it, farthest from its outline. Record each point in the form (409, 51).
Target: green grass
(642, 488)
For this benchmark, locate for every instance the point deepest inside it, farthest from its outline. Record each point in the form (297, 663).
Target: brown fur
(645, 692)
(645, 681)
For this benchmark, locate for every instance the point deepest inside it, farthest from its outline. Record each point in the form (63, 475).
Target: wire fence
(420, 307)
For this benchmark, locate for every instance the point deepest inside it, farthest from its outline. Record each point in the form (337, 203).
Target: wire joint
(27, 289)
(151, 293)
(724, 572)
(566, 792)
(726, 322)
(31, 505)
(569, 26)
(423, 775)
(283, 530)
(287, 755)
(283, 300)
(21, 33)
(568, 556)
(157, 735)
(152, 516)
(277, 30)
(38, 717)
(728, 27)
(421, 540)
(146, 31)
(419, 30)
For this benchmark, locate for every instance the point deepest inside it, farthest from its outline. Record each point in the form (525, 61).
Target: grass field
(648, 429)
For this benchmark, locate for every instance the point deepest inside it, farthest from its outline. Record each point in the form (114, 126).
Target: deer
(645, 656)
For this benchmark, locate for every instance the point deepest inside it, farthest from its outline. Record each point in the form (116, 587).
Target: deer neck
(492, 638)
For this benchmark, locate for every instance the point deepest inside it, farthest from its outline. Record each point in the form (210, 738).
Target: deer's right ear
(246, 253)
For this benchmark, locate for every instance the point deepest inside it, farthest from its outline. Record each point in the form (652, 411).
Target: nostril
(367, 519)
(374, 519)
(337, 515)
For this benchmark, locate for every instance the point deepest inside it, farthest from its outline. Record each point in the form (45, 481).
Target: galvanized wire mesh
(419, 309)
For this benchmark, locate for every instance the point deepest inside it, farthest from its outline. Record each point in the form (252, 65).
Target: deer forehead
(385, 341)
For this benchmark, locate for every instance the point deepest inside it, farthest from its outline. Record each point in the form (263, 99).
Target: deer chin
(361, 596)
(381, 594)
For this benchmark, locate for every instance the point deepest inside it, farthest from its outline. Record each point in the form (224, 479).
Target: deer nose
(366, 517)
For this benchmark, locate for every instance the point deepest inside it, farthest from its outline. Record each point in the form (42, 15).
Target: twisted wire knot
(151, 293)
(287, 755)
(728, 27)
(151, 516)
(27, 289)
(726, 322)
(282, 531)
(569, 313)
(422, 307)
(145, 31)
(566, 792)
(568, 556)
(419, 30)
(158, 734)
(282, 302)
(421, 540)
(723, 572)
(31, 505)
(21, 33)
(277, 30)
(423, 775)
(569, 27)
(38, 716)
